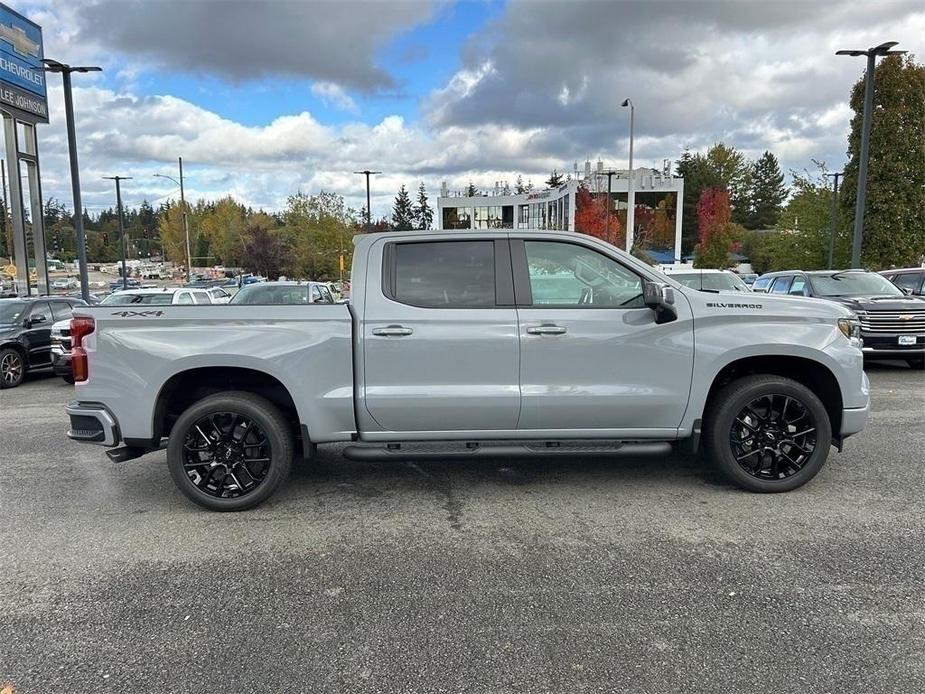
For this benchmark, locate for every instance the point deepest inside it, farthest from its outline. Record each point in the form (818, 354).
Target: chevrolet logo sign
(18, 39)
(906, 316)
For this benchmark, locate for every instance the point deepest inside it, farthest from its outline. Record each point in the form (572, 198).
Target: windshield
(711, 281)
(853, 284)
(128, 299)
(11, 311)
(266, 293)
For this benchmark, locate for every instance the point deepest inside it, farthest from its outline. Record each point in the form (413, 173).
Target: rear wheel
(12, 368)
(768, 433)
(230, 451)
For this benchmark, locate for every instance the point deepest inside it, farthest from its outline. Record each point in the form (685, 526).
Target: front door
(440, 344)
(37, 335)
(592, 356)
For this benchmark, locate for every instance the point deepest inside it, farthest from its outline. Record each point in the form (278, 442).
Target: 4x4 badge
(137, 314)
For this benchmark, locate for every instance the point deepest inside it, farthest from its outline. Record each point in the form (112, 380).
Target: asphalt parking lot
(565, 576)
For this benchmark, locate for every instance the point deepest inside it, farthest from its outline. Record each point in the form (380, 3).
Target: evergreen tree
(471, 191)
(402, 211)
(519, 185)
(423, 214)
(894, 218)
(554, 180)
(766, 193)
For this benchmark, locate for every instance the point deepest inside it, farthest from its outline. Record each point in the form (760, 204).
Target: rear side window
(202, 298)
(761, 284)
(781, 285)
(185, 298)
(444, 274)
(909, 280)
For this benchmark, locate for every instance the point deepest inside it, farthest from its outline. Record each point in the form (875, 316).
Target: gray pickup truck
(467, 344)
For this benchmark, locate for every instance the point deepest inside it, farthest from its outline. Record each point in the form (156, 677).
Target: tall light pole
(631, 192)
(835, 177)
(121, 225)
(189, 259)
(66, 70)
(871, 53)
(368, 173)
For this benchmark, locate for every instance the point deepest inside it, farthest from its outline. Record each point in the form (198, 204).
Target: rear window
(130, 299)
(445, 274)
(268, 293)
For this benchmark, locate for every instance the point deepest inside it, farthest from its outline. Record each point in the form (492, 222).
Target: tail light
(81, 326)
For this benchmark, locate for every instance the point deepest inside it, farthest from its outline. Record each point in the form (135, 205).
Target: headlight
(850, 327)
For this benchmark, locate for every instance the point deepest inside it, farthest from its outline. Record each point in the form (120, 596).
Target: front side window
(61, 310)
(565, 274)
(202, 298)
(761, 284)
(445, 274)
(909, 281)
(798, 288)
(40, 310)
(316, 294)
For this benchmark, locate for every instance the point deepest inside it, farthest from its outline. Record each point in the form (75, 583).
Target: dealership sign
(22, 80)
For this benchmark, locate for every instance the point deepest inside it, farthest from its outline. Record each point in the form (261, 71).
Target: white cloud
(334, 95)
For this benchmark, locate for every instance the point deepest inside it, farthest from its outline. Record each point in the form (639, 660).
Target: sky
(265, 99)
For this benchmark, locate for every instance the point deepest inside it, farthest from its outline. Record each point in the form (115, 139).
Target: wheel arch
(813, 374)
(186, 387)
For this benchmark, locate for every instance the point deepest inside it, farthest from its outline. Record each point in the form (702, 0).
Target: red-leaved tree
(591, 217)
(714, 229)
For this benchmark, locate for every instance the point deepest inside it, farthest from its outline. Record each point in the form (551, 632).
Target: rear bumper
(92, 423)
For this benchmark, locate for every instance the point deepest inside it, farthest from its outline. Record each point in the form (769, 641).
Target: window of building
(457, 218)
(445, 274)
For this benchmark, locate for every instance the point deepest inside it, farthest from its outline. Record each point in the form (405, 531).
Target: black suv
(911, 279)
(892, 323)
(25, 334)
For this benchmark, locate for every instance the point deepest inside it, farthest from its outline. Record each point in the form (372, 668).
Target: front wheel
(768, 433)
(12, 368)
(230, 451)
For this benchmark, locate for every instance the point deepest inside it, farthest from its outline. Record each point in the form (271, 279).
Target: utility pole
(117, 179)
(631, 192)
(189, 258)
(66, 70)
(5, 203)
(872, 54)
(835, 177)
(368, 173)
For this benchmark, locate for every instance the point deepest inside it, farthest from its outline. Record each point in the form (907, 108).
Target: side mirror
(37, 319)
(907, 290)
(660, 298)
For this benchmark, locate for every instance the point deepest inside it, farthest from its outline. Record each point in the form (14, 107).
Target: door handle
(547, 330)
(392, 331)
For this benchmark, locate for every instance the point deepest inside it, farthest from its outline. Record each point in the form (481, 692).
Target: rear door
(592, 356)
(440, 343)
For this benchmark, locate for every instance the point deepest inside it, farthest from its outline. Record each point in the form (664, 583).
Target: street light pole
(835, 177)
(117, 179)
(631, 192)
(871, 53)
(368, 173)
(189, 259)
(66, 70)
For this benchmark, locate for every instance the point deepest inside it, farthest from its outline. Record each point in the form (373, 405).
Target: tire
(766, 459)
(12, 368)
(202, 460)
(917, 364)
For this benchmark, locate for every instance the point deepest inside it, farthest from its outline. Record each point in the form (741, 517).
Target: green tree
(223, 225)
(471, 190)
(317, 229)
(766, 193)
(402, 211)
(894, 219)
(423, 214)
(519, 187)
(554, 180)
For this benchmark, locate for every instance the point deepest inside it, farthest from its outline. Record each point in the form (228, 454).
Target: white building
(554, 208)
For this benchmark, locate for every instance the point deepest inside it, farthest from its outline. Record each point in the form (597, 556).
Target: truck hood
(767, 304)
(879, 303)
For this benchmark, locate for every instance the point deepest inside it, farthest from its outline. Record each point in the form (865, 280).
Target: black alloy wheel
(12, 368)
(227, 455)
(230, 451)
(767, 433)
(773, 436)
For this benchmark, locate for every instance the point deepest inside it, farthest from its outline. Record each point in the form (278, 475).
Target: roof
(153, 290)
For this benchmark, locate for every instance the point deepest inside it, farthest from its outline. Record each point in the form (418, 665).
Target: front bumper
(887, 345)
(853, 419)
(92, 423)
(60, 362)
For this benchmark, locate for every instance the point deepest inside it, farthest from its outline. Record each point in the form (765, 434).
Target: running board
(396, 451)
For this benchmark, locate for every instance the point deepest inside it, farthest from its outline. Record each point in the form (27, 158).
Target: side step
(432, 451)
